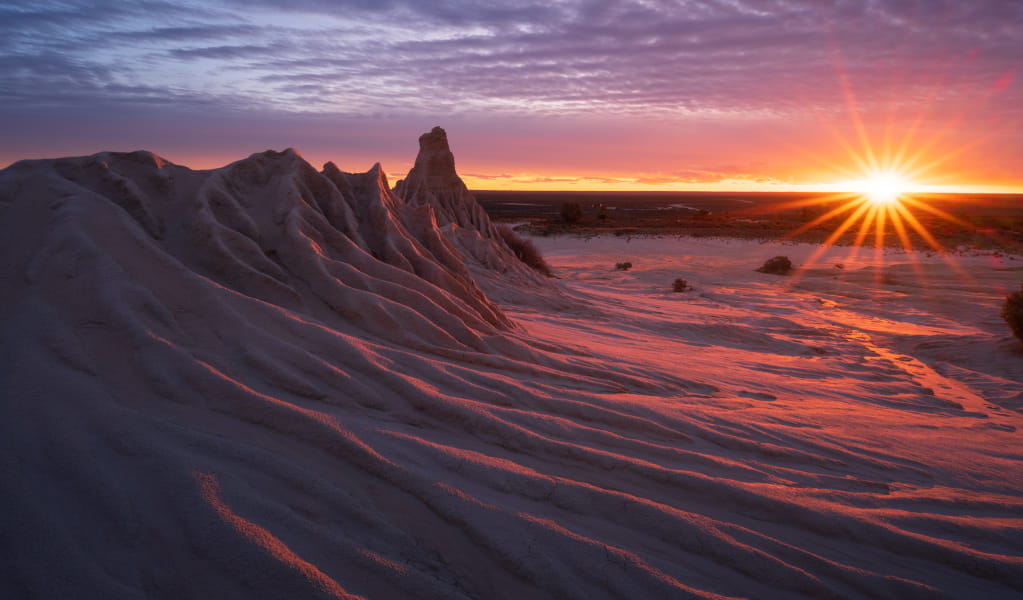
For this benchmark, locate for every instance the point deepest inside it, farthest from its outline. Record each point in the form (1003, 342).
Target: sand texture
(268, 381)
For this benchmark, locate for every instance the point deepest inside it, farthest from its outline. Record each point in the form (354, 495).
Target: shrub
(680, 285)
(571, 212)
(623, 266)
(525, 250)
(1012, 312)
(779, 265)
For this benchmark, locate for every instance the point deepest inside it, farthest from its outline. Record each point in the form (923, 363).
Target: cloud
(227, 53)
(734, 57)
(604, 61)
(189, 33)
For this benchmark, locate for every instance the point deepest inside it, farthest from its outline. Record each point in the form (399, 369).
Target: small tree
(571, 212)
(1012, 312)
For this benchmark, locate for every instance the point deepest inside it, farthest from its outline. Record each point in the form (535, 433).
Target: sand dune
(269, 381)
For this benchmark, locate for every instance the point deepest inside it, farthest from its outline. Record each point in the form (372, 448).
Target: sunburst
(884, 194)
(883, 189)
(882, 205)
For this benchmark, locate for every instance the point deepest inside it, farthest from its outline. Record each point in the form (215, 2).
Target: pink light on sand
(209, 489)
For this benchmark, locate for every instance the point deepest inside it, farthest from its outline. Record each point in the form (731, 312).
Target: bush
(525, 250)
(1012, 312)
(623, 266)
(571, 212)
(779, 265)
(680, 285)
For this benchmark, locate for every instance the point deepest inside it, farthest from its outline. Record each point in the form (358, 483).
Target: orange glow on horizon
(886, 169)
(887, 142)
(884, 189)
(478, 177)
(527, 182)
(883, 205)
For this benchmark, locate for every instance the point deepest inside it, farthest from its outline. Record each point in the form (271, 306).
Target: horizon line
(979, 192)
(593, 185)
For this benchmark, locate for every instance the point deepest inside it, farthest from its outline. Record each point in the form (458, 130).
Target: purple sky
(558, 94)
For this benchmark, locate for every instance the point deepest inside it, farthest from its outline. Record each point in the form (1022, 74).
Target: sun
(884, 205)
(883, 189)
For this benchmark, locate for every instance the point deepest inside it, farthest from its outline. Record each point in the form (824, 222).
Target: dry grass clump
(571, 212)
(525, 250)
(779, 265)
(1012, 312)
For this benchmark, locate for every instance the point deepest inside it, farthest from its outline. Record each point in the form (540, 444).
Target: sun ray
(950, 123)
(907, 243)
(889, 170)
(826, 217)
(802, 202)
(879, 244)
(900, 228)
(861, 235)
(915, 224)
(851, 103)
(936, 162)
(924, 206)
(830, 241)
(917, 123)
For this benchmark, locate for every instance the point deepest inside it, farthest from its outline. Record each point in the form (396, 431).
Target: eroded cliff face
(434, 183)
(268, 227)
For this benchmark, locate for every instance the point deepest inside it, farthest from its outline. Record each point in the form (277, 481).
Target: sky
(549, 94)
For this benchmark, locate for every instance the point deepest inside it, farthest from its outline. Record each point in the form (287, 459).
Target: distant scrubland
(988, 222)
